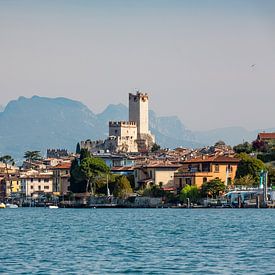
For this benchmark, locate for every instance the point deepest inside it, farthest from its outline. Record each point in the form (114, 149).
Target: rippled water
(145, 241)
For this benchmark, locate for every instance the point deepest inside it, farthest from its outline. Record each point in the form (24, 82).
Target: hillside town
(130, 169)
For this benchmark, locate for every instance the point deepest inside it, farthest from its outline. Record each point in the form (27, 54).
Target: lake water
(137, 241)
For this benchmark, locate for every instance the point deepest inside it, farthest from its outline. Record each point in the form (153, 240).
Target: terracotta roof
(219, 159)
(122, 168)
(64, 165)
(266, 136)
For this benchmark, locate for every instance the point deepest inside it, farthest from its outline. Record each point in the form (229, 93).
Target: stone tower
(138, 113)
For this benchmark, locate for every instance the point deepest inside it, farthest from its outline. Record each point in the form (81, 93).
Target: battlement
(122, 124)
(138, 95)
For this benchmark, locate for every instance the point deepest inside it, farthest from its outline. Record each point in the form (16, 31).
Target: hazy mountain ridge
(39, 123)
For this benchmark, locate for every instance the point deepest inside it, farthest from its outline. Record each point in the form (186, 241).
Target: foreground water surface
(132, 241)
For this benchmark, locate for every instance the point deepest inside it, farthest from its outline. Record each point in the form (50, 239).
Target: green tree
(92, 169)
(78, 148)
(245, 147)
(155, 148)
(122, 187)
(84, 153)
(7, 159)
(249, 166)
(191, 192)
(212, 188)
(77, 178)
(31, 156)
(246, 180)
(219, 143)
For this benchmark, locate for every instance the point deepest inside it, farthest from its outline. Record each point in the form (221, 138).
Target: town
(130, 169)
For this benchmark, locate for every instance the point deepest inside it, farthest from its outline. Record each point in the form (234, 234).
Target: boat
(53, 206)
(11, 205)
(2, 205)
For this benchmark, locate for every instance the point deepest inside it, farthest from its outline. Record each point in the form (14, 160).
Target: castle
(128, 136)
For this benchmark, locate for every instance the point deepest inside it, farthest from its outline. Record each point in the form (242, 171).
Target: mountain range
(39, 123)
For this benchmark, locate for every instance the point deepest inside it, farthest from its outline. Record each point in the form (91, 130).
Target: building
(139, 113)
(205, 168)
(61, 178)
(35, 183)
(155, 173)
(57, 153)
(266, 137)
(127, 136)
(123, 136)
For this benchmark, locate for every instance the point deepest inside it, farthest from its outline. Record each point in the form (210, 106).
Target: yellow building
(61, 178)
(161, 174)
(205, 168)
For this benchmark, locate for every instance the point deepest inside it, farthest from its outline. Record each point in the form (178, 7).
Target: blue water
(132, 241)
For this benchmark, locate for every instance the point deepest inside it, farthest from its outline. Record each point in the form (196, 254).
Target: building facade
(203, 169)
(61, 178)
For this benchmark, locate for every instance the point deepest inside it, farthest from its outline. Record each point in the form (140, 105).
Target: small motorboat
(2, 205)
(11, 205)
(53, 206)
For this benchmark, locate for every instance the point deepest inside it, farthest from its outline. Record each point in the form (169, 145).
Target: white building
(36, 183)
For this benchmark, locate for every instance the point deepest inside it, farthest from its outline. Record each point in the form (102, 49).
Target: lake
(137, 241)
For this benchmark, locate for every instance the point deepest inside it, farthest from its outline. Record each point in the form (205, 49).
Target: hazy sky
(195, 58)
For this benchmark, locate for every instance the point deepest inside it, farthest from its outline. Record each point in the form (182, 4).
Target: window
(31, 180)
(204, 180)
(31, 187)
(46, 180)
(46, 187)
(39, 188)
(217, 168)
(229, 168)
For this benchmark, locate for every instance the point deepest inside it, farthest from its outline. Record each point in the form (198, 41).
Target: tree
(78, 148)
(155, 148)
(246, 180)
(77, 179)
(212, 188)
(84, 153)
(191, 192)
(260, 146)
(32, 156)
(245, 147)
(7, 159)
(249, 166)
(122, 187)
(219, 143)
(92, 168)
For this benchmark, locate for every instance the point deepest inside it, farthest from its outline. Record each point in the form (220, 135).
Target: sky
(211, 63)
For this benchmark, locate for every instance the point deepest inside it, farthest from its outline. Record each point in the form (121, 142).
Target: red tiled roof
(64, 165)
(122, 168)
(266, 136)
(219, 159)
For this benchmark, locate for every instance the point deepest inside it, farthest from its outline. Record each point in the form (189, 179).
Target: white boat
(11, 205)
(53, 206)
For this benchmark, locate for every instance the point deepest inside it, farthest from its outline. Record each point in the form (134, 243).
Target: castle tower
(138, 111)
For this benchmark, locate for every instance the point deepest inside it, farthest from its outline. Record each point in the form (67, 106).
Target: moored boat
(53, 206)
(2, 205)
(11, 205)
